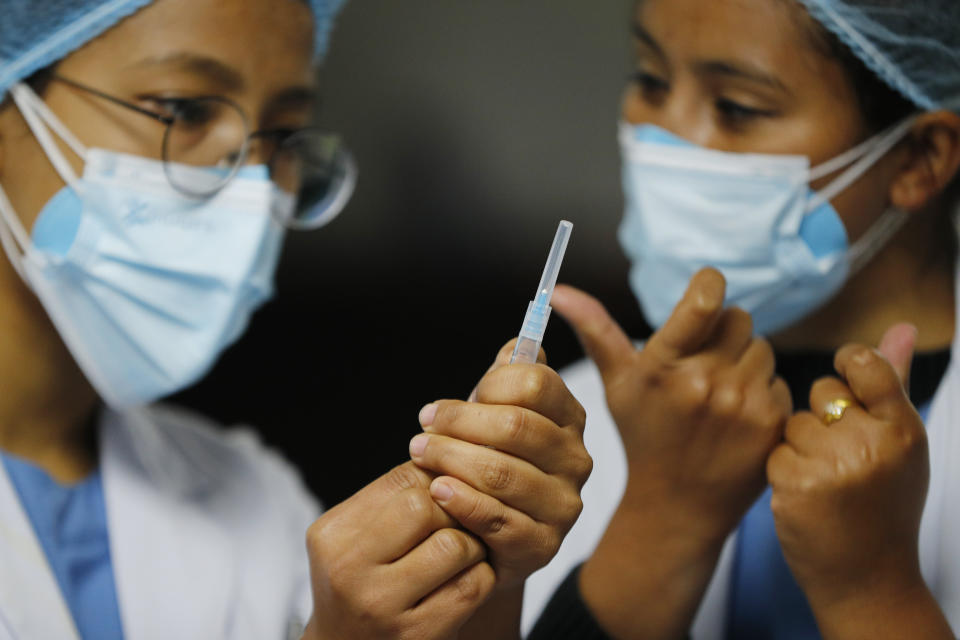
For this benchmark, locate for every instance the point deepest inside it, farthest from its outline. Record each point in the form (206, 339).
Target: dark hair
(38, 82)
(881, 105)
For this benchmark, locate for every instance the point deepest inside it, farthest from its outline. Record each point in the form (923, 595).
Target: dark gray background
(477, 126)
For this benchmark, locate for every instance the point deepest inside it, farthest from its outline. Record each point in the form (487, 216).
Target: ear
(932, 161)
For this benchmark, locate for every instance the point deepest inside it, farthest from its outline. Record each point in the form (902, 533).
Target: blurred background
(477, 127)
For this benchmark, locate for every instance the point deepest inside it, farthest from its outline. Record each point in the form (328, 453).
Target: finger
(506, 353)
(782, 396)
(783, 467)
(503, 359)
(602, 338)
(498, 525)
(436, 560)
(694, 318)
(806, 434)
(827, 398)
(401, 524)
(534, 387)
(514, 430)
(513, 481)
(897, 347)
(449, 607)
(374, 496)
(757, 361)
(873, 381)
(733, 334)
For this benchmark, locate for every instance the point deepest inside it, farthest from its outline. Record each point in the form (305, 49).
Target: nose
(679, 109)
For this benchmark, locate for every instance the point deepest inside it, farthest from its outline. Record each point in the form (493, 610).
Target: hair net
(36, 33)
(912, 45)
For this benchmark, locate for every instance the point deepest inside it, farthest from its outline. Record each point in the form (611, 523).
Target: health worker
(152, 156)
(769, 465)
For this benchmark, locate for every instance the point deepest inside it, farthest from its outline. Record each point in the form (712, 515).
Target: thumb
(897, 347)
(693, 319)
(602, 338)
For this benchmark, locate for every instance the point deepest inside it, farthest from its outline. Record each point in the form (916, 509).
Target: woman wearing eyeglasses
(152, 156)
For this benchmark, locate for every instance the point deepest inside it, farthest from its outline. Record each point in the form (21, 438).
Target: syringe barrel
(531, 333)
(526, 351)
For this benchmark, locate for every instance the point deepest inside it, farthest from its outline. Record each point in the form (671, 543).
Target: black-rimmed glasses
(207, 140)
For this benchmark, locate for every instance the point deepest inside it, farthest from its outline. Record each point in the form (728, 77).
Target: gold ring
(834, 410)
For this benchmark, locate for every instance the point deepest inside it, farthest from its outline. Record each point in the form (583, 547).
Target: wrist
(649, 571)
(674, 517)
(897, 607)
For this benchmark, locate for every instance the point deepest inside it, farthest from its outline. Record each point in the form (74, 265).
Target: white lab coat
(207, 537)
(940, 528)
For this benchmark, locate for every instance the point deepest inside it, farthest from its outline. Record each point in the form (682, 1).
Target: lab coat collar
(31, 605)
(174, 566)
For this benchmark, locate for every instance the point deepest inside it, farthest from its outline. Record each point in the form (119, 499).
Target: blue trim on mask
(56, 227)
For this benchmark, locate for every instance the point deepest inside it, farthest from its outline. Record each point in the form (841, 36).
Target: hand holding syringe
(538, 311)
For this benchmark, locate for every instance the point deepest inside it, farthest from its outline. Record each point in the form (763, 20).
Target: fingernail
(418, 445)
(863, 357)
(427, 414)
(441, 491)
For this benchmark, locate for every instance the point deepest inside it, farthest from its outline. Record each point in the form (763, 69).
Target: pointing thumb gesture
(689, 327)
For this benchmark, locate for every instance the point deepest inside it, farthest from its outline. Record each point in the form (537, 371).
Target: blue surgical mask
(145, 285)
(781, 246)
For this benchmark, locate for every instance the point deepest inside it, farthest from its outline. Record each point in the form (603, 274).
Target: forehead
(775, 32)
(262, 39)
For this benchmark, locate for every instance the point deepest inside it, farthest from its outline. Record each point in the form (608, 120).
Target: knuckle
(417, 503)
(579, 415)
(772, 417)
(514, 424)
(697, 388)
(535, 384)
(497, 475)
(727, 399)
(453, 545)
(909, 438)
(403, 477)
(315, 534)
(369, 605)
(549, 542)
(490, 521)
(571, 508)
(582, 465)
(322, 546)
(778, 505)
(473, 586)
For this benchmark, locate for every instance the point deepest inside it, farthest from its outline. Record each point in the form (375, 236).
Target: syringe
(538, 311)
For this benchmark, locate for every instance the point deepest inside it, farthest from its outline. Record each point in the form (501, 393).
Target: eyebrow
(223, 75)
(743, 72)
(739, 70)
(294, 97)
(641, 34)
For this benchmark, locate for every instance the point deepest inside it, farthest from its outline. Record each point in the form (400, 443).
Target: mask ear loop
(875, 238)
(864, 156)
(38, 117)
(869, 153)
(13, 237)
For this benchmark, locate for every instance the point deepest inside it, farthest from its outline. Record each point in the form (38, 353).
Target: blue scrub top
(71, 525)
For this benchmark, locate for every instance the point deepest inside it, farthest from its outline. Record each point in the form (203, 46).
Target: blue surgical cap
(912, 45)
(36, 33)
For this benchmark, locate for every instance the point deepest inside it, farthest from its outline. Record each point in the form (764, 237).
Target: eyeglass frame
(169, 120)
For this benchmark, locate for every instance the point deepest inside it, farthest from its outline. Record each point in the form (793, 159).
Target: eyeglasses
(212, 133)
